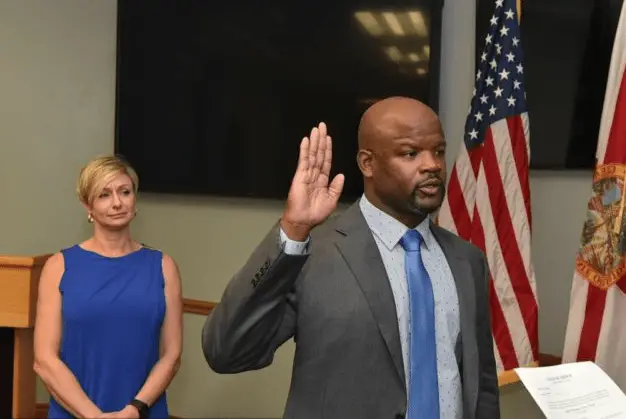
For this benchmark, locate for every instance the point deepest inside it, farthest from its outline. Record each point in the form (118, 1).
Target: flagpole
(518, 3)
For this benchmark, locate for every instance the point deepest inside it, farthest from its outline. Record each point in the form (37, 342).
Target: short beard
(425, 211)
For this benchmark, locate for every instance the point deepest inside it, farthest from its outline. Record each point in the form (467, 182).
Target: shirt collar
(388, 229)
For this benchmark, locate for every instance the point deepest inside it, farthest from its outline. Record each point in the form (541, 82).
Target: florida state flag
(595, 329)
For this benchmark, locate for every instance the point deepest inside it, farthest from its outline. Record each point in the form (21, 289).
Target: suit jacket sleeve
(488, 406)
(257, 312)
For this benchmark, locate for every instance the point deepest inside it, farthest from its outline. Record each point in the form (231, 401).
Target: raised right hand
(311, 198)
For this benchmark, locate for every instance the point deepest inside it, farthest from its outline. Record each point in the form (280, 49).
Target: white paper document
(580, 390)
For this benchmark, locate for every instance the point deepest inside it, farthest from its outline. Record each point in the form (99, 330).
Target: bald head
(393, 117)
(402, 158)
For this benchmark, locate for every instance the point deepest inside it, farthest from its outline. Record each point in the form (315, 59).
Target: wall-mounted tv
(213, 98)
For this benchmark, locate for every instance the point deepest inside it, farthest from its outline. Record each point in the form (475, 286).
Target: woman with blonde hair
(108, 332)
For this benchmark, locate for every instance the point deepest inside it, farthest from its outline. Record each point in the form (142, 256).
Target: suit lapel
(462, 274)
(359, 250)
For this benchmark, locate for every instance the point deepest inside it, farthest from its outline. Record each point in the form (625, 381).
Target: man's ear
(364, 160)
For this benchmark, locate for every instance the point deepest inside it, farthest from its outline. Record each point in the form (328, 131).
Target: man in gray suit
(380, 331)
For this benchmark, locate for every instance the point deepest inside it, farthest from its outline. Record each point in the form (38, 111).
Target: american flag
(488, 200)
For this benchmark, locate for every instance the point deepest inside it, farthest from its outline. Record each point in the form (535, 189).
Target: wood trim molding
(41, 410)
(203, 308)
(545, 360)
(200, 307)
(510, 376)
(548, 360)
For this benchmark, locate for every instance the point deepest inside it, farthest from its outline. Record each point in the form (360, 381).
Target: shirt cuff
(292, 247)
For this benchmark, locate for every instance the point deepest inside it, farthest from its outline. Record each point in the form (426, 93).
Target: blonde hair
(98, 172)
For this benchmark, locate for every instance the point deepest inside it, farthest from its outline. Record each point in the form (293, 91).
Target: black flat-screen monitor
(567, 52)
(213, 98)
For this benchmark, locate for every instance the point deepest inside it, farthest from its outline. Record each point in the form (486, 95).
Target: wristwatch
(144, 409)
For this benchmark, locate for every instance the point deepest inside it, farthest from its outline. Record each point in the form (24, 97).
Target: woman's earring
(90, 218)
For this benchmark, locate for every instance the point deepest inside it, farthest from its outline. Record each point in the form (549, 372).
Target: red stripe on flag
(499, 326)
(520, 154)
(501, 332)
(458, 207)
(508, 243)
(475, 156)
(594, 312)
(616, 146)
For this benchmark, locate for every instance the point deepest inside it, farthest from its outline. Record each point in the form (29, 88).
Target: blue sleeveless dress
(113, 310)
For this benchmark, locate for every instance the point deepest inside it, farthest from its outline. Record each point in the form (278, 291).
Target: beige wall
(57, 86)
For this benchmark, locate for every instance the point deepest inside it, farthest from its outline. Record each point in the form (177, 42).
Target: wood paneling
(7, 344)
(24, 377)
(19, 279)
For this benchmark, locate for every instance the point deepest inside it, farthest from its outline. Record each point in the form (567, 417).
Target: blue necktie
(423, 382)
